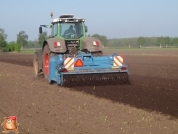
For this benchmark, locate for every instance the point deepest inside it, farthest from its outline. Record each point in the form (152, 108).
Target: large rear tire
(46, 60)
(36, 69)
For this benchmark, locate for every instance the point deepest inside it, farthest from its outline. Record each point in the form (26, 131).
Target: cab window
(54, 29)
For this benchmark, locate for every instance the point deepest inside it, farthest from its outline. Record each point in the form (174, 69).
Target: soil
(149, 105)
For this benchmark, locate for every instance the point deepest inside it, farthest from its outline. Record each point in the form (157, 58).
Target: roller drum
(98, 79)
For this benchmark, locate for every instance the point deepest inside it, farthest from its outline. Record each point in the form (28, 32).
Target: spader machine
(68, 57)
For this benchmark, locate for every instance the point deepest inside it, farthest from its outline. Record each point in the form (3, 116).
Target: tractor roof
(68, 18)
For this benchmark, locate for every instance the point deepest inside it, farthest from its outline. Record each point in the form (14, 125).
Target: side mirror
(86, 29)
(40, 30)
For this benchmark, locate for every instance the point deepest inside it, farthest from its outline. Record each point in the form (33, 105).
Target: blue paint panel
(92, 65)
(55, 62)
(89, 60)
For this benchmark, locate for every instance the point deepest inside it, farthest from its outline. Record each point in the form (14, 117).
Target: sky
(112, 18)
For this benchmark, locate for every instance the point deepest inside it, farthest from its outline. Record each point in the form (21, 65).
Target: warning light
(57, 44)
(95, 43)
(64, 70)
(123, 68)
(79, 63)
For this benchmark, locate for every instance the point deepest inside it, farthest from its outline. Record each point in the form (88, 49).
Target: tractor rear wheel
(46, 60)
(36, 69)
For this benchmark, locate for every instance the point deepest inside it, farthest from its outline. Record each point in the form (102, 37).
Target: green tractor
(68, 37)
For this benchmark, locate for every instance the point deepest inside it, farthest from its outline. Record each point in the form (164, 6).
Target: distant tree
(22, 39)
(35, 44)
(30, 44)
(175, 41)
(41, 38)
(3, 38)
(128, 42)
(160, 41)
(141, 41)
(167, 40)
(134, 42)
(102, 38)
(12, 42)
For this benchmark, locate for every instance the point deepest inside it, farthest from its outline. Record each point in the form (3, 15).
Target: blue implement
(87, 69)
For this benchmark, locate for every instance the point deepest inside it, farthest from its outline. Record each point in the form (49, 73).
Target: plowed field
(149, 105)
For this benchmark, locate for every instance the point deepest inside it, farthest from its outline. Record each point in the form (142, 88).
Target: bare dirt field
(149, 105)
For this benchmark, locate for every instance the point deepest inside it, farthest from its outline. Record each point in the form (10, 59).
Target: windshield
(71, 30)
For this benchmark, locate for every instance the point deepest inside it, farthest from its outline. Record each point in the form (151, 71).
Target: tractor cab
(70, 27)
(67, 27)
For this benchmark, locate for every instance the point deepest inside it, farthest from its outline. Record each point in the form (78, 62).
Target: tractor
(68, 56)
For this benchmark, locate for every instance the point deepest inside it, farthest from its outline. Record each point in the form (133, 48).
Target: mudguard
(87, 44)
(58, 49)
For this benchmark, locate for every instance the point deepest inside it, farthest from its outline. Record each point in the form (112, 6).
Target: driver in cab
(70, 30)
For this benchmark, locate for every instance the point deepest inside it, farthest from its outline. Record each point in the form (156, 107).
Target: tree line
(138, 41)
(23, 42)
